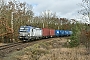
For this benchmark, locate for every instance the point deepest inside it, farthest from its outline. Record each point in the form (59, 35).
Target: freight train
(28, 33)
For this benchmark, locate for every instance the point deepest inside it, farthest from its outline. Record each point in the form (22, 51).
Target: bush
(74, 39)
(74, 42)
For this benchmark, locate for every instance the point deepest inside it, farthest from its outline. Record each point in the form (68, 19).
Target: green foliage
(74, 39)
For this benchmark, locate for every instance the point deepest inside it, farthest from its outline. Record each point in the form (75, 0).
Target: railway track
(6, 49)
(9, 45)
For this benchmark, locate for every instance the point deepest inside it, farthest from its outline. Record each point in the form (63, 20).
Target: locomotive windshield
(24, 29)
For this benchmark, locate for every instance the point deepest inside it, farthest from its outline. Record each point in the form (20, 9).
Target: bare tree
(85, 11)
(48, 18)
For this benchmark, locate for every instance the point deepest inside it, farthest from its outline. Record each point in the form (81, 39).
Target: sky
(63, 8)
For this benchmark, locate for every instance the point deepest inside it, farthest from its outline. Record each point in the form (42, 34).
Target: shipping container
(66, 33)
(61, 32)
(52, 32)
(45, 32)
(57, 33)
(70, 33)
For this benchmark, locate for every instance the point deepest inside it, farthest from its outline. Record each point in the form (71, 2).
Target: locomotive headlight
(28, 35)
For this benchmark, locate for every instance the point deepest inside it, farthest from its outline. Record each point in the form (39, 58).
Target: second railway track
(9, 45)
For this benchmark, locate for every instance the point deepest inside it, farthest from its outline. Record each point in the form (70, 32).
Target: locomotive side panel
(38, 33)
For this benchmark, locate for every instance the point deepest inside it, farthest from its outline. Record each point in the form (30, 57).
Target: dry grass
(51, 50)
(67, 54)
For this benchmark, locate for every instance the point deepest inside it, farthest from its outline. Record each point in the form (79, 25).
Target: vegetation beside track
(53, 50)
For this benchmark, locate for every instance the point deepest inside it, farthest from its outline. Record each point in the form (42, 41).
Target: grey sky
(63, 8)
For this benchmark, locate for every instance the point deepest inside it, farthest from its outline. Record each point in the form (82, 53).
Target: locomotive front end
(24, 33)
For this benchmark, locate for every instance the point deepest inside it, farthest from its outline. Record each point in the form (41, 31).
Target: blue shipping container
(57, 32)
(66, 32)
(61, 32)
(70, 32)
